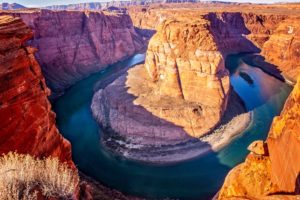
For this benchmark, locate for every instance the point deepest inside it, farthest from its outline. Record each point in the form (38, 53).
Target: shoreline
(267, 68)
(234, 121)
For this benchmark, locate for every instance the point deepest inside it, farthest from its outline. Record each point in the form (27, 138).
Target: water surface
(199, 178)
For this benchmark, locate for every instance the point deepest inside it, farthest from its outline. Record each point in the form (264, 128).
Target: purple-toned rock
(73, 44)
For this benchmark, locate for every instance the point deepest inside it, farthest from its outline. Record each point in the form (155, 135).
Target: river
(199, 178)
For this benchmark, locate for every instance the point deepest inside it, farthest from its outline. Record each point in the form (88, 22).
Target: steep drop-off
(155, 112)
(283, 48)
(272, 168)
(271, 30)
(27, 124)
(73, 44)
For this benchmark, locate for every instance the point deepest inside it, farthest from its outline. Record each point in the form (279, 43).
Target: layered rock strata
(272, 168)
(273, 30)
(73, 44)
(179, 94)
(283, 48)
(27, 124)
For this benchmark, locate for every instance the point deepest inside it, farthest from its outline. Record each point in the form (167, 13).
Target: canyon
(167, 109)
(183, 88)
(179, 94)
(259, 28)
(27, 121)
(74, 44)
(273, 171)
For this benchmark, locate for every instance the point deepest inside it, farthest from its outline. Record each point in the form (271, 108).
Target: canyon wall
(276, 170)
(283, 48)
(73, 44)
(272, 168)
(179, 94)
(272, 32)
(27, 124)
(235, 25)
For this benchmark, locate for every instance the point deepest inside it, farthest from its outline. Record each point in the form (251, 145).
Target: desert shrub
(22, 175)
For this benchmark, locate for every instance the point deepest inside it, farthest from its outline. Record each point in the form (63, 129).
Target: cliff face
(283, 48)
(230, 23)
(273, 171)
(179, 94)
(27, 124)
(184, 62)
(284, 142)
(74, 44)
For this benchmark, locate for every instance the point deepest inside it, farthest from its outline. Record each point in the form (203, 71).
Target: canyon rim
(150, 100)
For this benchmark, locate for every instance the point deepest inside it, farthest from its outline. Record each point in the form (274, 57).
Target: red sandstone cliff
(73, 44)
(27, 124)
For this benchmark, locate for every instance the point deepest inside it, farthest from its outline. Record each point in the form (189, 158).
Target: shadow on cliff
(146, 33)
(297, 188)
(230, 31)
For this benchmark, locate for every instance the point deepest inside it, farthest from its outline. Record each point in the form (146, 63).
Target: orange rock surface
(184, 63)
(27, 124)
(274, 29)
(267, 176)
(283, 48)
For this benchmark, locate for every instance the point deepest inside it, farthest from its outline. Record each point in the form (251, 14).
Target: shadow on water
(199, 178)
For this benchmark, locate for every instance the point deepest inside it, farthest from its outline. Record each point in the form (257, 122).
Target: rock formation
(272, 169)
(283, 48)
(272, 29)
(27, 124)
(180, 93)
(74, 44)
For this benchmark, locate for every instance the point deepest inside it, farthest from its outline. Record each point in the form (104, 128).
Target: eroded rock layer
(273, 169)
(179, 94)
(273, 30)
(27, 124)
(283, 48)
(73, 44)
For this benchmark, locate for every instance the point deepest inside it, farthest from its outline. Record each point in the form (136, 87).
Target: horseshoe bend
(150, 100)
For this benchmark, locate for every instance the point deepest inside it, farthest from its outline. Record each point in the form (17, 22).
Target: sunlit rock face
(234, 26)
(27, 124)
(73, 44)
(283, 48)
(284, 142)
(184, 63)
(179, 94)
(275, 171)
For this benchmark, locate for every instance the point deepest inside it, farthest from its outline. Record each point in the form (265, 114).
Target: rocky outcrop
(267, 174)
(27, 124)
(273, 31)
(234, 25)
(73, 44)
(283, 144)
(179, 94)
(184, 62)
(283, 48)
